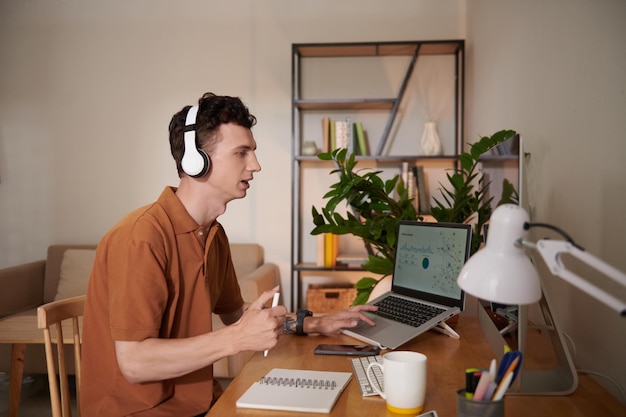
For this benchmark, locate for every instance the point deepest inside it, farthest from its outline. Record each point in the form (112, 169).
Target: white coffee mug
(404, 381)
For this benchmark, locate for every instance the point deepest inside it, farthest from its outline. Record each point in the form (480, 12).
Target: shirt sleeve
(137, 291)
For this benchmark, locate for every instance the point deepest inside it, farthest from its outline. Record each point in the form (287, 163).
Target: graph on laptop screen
(429, 258)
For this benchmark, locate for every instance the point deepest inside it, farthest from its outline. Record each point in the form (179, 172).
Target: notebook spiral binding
(299, 382)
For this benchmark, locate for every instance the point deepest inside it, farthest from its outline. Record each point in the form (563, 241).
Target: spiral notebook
(296, 390)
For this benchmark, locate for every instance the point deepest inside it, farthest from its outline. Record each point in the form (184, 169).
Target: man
(148, 345)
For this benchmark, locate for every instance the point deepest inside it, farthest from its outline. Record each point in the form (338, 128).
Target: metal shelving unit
(391, 105)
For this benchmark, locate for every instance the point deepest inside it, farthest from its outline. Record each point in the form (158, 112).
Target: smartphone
(349, 350)
(431, 413)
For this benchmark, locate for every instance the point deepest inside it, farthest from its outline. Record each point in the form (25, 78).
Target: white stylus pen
(274, 304)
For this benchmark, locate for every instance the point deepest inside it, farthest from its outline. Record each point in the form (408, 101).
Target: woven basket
(324, 299)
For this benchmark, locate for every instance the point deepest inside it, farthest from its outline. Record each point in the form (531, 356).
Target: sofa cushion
(246, 257)
(53, 268)
(75, 270)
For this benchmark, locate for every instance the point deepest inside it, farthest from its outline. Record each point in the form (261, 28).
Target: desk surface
(447, 360)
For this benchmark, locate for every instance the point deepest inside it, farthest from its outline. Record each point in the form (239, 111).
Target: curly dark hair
(213, 111)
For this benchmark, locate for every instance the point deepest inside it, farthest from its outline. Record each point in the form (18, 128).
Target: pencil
(274, 304)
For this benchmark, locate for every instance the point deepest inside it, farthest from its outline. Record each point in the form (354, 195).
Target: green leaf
(467, 161)
(364, 288)
(379, 265)
(362, 297)
(365, 283)
(325, 156)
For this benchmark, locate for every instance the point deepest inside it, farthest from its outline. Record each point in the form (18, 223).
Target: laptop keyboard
(406, 311)
(359, 366)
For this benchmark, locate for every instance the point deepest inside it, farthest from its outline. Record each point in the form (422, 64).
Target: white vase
(430, 143)
(309, 148)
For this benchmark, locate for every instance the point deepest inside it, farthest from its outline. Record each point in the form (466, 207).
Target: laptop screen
(429, 258)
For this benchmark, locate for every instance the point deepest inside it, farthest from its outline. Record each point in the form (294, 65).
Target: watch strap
(300, 315)
(290, 326)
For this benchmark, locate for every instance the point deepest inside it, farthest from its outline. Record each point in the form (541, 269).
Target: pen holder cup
(470, 408)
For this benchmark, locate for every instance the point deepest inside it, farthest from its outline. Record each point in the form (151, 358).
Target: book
(352, 260)
(319, 260)
(361, 143)
(349, 136)
(422, 192)
(404, 175)
(326, 134)
(411, 187)
(416, 189)
(331, 245)
(332, 136)
(295, 390)
(341, 134)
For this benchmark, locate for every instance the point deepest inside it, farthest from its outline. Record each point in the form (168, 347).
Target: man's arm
(156, 359)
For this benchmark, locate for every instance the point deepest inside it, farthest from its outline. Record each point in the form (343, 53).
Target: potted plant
(374, 206)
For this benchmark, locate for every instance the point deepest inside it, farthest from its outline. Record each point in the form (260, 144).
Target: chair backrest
(50, 318)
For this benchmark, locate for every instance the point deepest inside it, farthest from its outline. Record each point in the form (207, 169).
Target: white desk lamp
(501, 272)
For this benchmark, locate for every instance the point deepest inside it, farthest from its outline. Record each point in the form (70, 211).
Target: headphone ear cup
(206, 164)
(195, 161)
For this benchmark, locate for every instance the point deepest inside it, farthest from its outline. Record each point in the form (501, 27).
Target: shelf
(387, 158)
(350, 104)
(488, 158)
(313, 267)
(379, 49)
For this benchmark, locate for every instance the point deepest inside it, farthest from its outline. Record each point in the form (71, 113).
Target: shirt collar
(178, 215)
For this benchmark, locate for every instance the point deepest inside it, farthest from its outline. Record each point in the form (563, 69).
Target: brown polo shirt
(156, 274)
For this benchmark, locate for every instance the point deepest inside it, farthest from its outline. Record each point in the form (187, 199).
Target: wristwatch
(290, 326)
(300, 315)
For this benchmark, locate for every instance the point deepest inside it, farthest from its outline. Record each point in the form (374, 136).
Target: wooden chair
(50, 316)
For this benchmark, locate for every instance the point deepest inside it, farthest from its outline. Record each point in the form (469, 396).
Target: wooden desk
(20, 330)
(447, 360)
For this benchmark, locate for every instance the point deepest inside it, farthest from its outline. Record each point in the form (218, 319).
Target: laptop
(429, 258)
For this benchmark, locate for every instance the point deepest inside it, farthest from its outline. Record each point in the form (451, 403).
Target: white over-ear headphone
(195, 161)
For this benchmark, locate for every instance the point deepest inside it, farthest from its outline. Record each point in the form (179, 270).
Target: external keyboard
(359, 366)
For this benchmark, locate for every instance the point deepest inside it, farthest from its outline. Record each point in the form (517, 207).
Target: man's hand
(334, 323)
(259, 327)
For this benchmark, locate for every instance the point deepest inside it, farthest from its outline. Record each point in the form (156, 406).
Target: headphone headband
(190, 120)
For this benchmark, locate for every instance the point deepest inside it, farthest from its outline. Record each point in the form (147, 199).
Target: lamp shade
(501, 272)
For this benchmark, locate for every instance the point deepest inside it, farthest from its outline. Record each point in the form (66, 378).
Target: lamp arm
(551, 251)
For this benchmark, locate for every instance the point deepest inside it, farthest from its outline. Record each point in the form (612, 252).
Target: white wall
(556, 72)
(87, 89)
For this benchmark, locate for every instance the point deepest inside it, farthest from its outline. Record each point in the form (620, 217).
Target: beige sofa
(65, 272)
